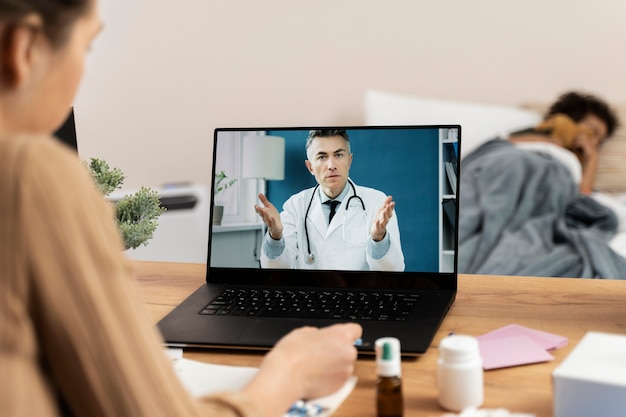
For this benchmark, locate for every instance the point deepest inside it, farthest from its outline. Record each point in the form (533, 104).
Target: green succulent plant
(137, 213)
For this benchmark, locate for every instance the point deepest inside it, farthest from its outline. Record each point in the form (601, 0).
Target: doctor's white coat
(342, 245)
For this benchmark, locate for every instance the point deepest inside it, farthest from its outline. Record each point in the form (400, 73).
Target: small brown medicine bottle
(389, 384)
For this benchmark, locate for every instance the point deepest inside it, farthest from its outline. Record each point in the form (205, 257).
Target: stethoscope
(310, 257)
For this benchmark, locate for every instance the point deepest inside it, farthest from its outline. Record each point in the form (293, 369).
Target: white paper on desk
(203, 378)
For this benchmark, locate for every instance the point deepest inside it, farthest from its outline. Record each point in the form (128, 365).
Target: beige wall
(164, 73)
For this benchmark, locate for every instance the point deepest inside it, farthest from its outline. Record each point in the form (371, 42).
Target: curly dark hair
(57, 16)
(578, 105)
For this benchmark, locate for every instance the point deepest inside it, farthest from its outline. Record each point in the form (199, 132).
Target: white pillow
(479, 122)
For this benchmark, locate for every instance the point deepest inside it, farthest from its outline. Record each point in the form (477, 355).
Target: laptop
(66, 133)
(248, 303)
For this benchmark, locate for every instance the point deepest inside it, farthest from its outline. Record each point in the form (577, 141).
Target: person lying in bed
(577, 122)
(526, 206)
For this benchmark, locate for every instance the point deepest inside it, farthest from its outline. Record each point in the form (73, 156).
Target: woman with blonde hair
(75, 336)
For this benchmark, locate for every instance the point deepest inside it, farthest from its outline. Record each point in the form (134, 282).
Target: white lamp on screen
(263, 158)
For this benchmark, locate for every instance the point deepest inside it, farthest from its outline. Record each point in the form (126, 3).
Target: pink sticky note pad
(511, 351)
(546, 340)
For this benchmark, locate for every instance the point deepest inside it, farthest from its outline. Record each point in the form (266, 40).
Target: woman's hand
(306, 363)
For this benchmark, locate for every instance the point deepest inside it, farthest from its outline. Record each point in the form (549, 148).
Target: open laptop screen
(416, 165)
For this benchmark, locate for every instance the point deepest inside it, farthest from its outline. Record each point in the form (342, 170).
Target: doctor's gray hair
(326, 133)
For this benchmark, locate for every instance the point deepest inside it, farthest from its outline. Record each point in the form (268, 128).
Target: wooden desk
(568, 307)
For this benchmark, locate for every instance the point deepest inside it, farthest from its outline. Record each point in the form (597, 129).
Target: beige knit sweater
(75, 337)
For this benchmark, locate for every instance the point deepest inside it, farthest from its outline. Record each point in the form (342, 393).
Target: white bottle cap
(459, 348)
(388, 361)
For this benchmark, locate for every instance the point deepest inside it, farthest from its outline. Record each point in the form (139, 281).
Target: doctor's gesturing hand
(379, 224)
(270, 216)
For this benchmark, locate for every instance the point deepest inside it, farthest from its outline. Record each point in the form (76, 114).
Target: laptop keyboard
(318, 304)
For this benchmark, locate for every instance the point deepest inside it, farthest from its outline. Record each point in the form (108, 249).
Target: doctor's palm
(379, 224)
(270, 216)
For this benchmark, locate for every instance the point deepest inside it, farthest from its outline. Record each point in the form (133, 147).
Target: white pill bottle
(459, 373)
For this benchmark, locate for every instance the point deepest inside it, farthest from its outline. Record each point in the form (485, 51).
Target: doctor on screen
(336, 224)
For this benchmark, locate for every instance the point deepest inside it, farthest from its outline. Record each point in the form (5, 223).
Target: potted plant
(137, 214)
(221, 183)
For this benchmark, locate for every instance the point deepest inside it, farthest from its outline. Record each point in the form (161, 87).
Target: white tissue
(482, 412)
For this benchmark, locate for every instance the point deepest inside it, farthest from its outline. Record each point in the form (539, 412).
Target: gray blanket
(521, 214)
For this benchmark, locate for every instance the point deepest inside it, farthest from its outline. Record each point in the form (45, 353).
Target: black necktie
(333, 206)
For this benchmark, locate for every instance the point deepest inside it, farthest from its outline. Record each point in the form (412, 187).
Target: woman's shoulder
(43, 163)
(25, 148)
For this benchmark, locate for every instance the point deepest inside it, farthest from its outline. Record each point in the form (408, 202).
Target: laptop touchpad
(267, 332)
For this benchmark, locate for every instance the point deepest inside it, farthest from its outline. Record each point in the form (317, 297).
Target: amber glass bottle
(389, 384)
